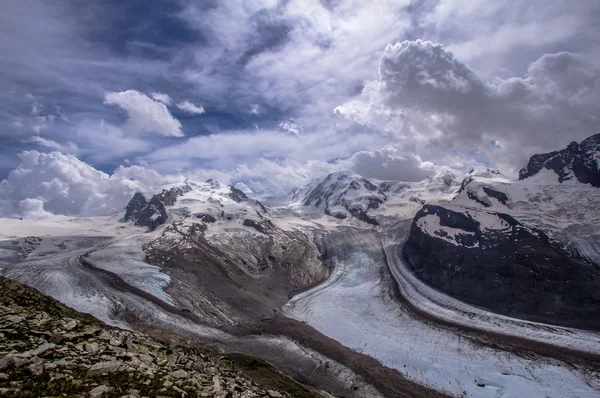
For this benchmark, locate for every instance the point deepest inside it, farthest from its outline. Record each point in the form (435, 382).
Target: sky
(100, 99)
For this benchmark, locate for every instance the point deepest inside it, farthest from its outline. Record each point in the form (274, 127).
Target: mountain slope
(527, 249)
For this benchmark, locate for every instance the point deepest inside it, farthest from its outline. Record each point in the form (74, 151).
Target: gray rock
(104, 367)
(14, 319)
(98, 391)
(274, 394)
(56, 338)
(116, 341)
(7, 361)
(3, 377)
(217, 384)
(182, 393)
(145, 358)
(69, 324)
(133, 393)
(180, 374)
(36, 368)
(43, 349)
(92, 348)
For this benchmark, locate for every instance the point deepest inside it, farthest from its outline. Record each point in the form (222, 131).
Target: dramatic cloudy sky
(99, 99)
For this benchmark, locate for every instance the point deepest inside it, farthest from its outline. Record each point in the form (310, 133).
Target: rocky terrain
(47, 349)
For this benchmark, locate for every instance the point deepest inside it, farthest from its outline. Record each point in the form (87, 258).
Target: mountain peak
(579, 161)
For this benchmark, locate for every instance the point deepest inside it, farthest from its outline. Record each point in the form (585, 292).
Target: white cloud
(299, 59)
(32, 208)
(145, 114)
(281, 175)
(291, 127)
(67, 147)
(162, 97)
(226, 150)
(190, 108)
(504, 35)
(244, 188)
(17, 123)
(62, 184)
(254, 109)
(53, 183)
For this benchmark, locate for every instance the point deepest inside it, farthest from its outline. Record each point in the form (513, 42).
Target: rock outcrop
(580, 161)
(153, 213)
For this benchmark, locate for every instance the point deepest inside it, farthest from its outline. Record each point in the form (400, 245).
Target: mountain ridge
(579, 160)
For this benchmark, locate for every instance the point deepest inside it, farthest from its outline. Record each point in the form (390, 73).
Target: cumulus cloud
(162, 97)
(145, 115)
(190, 108)
(32, 208)
(389, 164)
(45, 183)
(428, 98)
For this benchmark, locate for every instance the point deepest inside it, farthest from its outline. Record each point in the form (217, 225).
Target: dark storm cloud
(421, 83)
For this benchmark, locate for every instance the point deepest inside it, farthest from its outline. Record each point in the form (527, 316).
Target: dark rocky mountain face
(153, 213)
(580, 161)
(515, 271)
(237, 195)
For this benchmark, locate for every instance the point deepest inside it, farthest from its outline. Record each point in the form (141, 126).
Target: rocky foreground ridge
(47, 349)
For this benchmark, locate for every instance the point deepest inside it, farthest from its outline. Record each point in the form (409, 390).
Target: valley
(357, 287)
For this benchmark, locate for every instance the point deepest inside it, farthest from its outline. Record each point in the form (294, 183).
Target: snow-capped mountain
(577, 161)
(211, 197)
(528, 249)
(347, 195)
